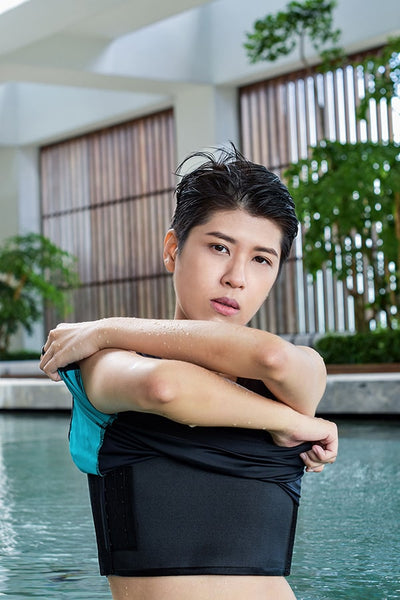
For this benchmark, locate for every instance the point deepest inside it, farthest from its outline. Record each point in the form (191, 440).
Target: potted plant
(33, 271)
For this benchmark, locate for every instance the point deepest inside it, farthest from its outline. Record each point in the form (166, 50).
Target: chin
(227, 319)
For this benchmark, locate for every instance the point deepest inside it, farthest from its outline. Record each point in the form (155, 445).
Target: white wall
(205, 117)
(20, 213)
(9, 221)
(363, 25)
(194, 62)
(9, 199)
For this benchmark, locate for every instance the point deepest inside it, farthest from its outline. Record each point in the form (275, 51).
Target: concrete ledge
(367, 394)
(350, 394)
(34, 394)
(20, 368)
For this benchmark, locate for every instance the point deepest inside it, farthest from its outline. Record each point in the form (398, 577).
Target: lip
(225, 306)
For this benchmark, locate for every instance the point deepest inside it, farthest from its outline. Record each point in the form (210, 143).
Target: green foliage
(347, 195)
(360, 348)
(32, 270)
(347, 188)
(278, 34)
(347, 198)
(21, 355)
(382, 72)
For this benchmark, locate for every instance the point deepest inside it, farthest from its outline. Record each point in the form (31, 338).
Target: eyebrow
(231, 240)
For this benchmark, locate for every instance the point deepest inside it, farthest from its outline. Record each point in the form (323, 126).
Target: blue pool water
(348, 540)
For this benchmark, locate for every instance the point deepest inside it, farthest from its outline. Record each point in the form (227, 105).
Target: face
(226, 267)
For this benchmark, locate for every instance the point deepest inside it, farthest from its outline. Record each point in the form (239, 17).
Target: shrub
(370, 347)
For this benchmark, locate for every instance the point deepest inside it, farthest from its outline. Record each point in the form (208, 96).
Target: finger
(319, 454)
(310, 464)
(331, 443)
(313, 462)
(51, 372)
(325, 455)
(46, 356)
(45, 347)
(316, 469)
(53, 375)
(43, 361)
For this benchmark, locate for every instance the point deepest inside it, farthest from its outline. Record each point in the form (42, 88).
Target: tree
(382, 73)
(347, 199)
(33, 271)
(279, 34)
(347, 195)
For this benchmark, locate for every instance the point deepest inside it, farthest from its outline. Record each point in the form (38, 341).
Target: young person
(195, 432)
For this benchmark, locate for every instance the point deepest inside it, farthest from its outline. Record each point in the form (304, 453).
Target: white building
(73, 66)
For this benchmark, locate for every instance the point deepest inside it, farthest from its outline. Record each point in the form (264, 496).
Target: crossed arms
(187, 385)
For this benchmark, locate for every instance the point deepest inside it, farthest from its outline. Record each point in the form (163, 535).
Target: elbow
(276, 363)
(161, 389)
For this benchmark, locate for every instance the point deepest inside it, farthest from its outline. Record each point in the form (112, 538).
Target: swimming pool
(348, 541)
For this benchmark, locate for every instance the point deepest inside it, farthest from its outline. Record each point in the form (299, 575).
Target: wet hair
(226, 180)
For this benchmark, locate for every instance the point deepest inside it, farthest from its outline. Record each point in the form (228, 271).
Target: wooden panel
(107, 197)
(280, 118)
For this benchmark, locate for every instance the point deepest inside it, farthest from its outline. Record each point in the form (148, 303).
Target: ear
(170, 250)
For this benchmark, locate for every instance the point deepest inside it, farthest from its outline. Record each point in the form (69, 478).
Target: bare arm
(116, 380)
(222, 347)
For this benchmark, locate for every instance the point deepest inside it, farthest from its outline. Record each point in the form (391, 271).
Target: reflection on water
(7, 532)
(50, 518)
(348, 542)
(347, 547)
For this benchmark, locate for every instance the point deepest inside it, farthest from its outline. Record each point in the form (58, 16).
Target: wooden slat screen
(280, 119)
(107, 197)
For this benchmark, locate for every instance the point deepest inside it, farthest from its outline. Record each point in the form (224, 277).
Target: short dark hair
(226, 180)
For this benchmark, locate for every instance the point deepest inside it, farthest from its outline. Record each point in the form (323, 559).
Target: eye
(219, 248)
(262, 260)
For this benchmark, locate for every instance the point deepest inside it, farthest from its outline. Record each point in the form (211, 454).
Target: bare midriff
(203, 587)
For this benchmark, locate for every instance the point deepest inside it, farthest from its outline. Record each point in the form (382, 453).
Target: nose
(234, 275)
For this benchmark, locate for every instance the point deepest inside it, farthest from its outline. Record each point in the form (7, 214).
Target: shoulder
(87, 424)
(72, 377)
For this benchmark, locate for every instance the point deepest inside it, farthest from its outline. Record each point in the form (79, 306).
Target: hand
(311, 429)
(316, 458)
(69, 343)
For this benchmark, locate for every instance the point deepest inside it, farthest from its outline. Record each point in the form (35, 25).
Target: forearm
(210, 400)
(226, 348)
(197, 396)
(220, 347)
(295, 375)
(118, 381)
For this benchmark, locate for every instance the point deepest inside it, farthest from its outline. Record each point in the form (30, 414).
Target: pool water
(348, 538)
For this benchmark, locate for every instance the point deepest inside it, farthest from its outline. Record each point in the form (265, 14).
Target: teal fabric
(88, 425)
